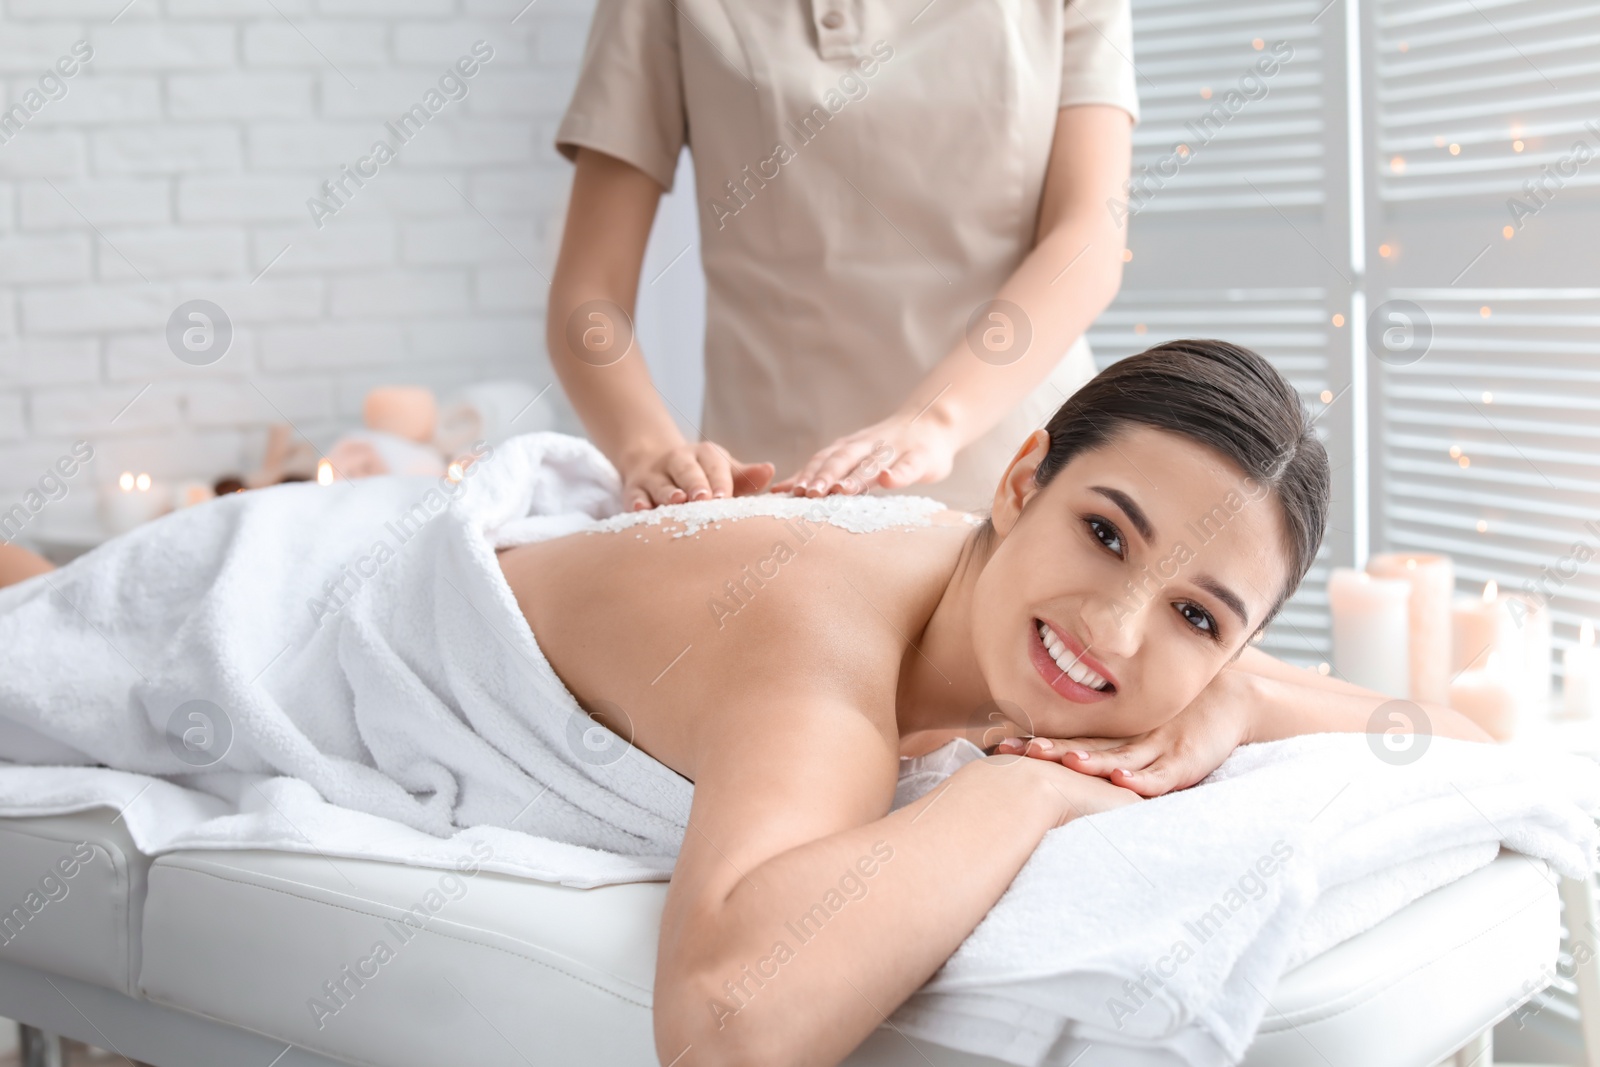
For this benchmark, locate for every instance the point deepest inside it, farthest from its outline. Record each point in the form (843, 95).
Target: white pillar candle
(1371, 630)
(1433, 581)
(1482, 625)
(1580, 668)
(1532, 622)
(1489, 696)
(131, 500)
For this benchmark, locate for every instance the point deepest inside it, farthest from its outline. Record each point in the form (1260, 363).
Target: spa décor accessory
(1371, 629)
(132, 499)
(1580, 663)
(1432, 581)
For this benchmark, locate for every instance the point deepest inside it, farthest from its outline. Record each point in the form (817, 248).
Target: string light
(1398, 164)
(125, 483)
(1327, 396)
(1140, 328)
(1516, 146)
(143, 482)
(1455, 451)
(1127, 255)
(1507, 231)
(1483, 527)
(1488, 397)
(1205, 92)
(1338, 319)
(1484, 311)
(1455, 150)
(1258, 44)
(1385, 251)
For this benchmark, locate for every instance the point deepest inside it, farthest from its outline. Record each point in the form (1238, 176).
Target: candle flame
(324, 472)
(143, 482)
(1586, 634)
(1491, 591)
(126, 481)
(1411, 564)
(454, 472)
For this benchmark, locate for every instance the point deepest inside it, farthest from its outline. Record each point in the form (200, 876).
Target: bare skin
(789, 717)
(18, 564)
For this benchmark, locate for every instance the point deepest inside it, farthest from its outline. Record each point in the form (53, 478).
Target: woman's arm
(1255, 698)
(799, 915)
(18, 564)
(1294, 701)
(602, 247)
(1071, 274)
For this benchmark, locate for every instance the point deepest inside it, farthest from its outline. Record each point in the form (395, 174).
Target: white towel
(1152, 927)
(361, 645)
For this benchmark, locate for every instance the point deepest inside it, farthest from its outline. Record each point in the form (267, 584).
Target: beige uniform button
(833, 20)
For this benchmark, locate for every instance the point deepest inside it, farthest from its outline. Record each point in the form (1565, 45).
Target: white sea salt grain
(858, 514)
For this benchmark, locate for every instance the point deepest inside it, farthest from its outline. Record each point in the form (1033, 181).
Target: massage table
(208, 958)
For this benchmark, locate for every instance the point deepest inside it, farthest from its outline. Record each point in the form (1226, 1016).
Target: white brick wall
(178, 165)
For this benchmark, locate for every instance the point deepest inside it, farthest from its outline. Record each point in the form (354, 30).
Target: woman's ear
(1016, 484)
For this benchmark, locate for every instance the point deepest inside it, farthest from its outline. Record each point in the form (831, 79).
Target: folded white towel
(1154, 926)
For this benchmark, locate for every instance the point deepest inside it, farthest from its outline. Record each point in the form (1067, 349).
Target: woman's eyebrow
(1135, 513)
(1229, 598)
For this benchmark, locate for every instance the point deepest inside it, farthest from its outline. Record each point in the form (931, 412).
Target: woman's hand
(896, 452)
(702, 470)
(1175, 755)
(1072, 793)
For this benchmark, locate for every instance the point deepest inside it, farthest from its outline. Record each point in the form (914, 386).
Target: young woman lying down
(1105, 610)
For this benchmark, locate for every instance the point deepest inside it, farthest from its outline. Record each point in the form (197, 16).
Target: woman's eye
(1106, 534)
(1199, 618)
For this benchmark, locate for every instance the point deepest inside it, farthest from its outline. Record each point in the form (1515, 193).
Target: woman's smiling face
(1114, 594)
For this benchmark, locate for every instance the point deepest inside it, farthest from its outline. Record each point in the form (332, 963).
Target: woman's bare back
(679, 642)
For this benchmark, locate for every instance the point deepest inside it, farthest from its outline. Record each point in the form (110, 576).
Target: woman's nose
(1116, 625)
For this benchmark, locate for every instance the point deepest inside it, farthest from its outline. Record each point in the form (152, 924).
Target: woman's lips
(1055, 677)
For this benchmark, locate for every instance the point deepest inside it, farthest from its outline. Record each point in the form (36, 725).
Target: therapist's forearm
(618, 403)
(1068, 278)
(608, 224)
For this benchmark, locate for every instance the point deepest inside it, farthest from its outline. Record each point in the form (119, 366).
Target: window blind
(1486, 158)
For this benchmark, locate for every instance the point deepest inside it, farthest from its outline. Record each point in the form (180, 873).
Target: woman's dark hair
(1223, 396)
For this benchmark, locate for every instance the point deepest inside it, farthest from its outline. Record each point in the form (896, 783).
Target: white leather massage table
(201, 959)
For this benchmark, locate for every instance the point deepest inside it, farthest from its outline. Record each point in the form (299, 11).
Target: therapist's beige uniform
(868, 174)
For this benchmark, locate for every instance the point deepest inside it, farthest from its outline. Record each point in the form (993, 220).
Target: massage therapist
(907, 222)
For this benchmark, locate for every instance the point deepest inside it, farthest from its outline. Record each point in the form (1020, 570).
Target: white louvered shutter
(1488, 446)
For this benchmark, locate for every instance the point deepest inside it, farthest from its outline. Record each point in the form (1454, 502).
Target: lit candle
(133, 499)
(324, 472)
(1433, 580)
(1489, 697)
(1580, 687)
(1371, 630)
(1482, 625)
(1532, 621)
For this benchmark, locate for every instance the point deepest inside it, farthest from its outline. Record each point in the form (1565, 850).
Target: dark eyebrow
(1228, 597)
(1135, 513)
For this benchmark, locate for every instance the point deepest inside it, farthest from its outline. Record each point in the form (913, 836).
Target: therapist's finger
(752, 478)
(901, 472)
(718, 467)
(636, 498)
(843, 460)
(685, 469)
(662, 489)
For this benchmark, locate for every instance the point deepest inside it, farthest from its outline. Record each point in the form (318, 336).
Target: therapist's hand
(1175, 755)
(896, 452)
(700, 470)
